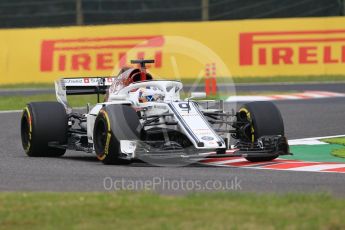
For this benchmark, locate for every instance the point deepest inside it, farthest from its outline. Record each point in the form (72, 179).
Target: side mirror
(197, 95)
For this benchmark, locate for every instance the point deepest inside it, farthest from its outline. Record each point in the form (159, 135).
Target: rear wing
(81, 86)
(86, 85)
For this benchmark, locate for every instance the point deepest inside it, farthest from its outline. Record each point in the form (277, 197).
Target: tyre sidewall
(47, 122)
(265, 120)
(107, 152)
(121, 123)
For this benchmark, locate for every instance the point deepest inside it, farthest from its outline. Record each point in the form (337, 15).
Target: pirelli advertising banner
(313, 46)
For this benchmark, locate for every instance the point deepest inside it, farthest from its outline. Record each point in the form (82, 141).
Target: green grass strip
(338, 152)
(19, 102)
(28, 86)
(336, 140)
(127, 210)
(319, 153)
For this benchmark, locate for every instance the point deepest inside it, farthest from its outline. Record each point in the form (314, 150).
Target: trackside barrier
(248, 48)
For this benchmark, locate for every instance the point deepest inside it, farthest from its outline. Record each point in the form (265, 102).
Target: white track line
(312, 140)
(225, 161)
(11, 111)
(19, 111)
(306, 95)
(306, 142)
(313, 168)
(248, 98)
(318, 138)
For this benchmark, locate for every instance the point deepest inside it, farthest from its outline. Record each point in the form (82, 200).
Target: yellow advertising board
(311, 46)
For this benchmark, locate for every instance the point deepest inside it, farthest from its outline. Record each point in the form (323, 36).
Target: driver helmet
(149, 94)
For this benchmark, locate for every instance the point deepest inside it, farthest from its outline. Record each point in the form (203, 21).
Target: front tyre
(113, 124)
(42, 124)
(265, 120)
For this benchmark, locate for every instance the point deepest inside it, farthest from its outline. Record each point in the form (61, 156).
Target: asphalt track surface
(78, 171)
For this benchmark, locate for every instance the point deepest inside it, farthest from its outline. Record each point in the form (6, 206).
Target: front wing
(263, 147)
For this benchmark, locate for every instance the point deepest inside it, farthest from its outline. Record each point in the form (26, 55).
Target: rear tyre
(113, 124)
(265, 119)
(42, 124)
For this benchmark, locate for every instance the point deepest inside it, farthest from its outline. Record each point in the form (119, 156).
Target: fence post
(205, 10)
(79, 12)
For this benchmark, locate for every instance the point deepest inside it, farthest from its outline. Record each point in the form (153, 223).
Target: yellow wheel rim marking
(251, 122)
(107, 142)
(30, 129)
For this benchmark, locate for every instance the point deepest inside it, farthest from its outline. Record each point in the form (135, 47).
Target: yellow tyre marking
(102, 157)
(106, 148)
(251, 123)
(107, 142)
(27, 149)
(29, 117)
(107, 118)
(252, 131)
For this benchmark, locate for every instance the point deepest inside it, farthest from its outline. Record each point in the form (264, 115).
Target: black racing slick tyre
(265, 120)
(44, 124)
(113, 124)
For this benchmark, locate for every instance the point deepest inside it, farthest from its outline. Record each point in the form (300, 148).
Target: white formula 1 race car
(142, 118)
